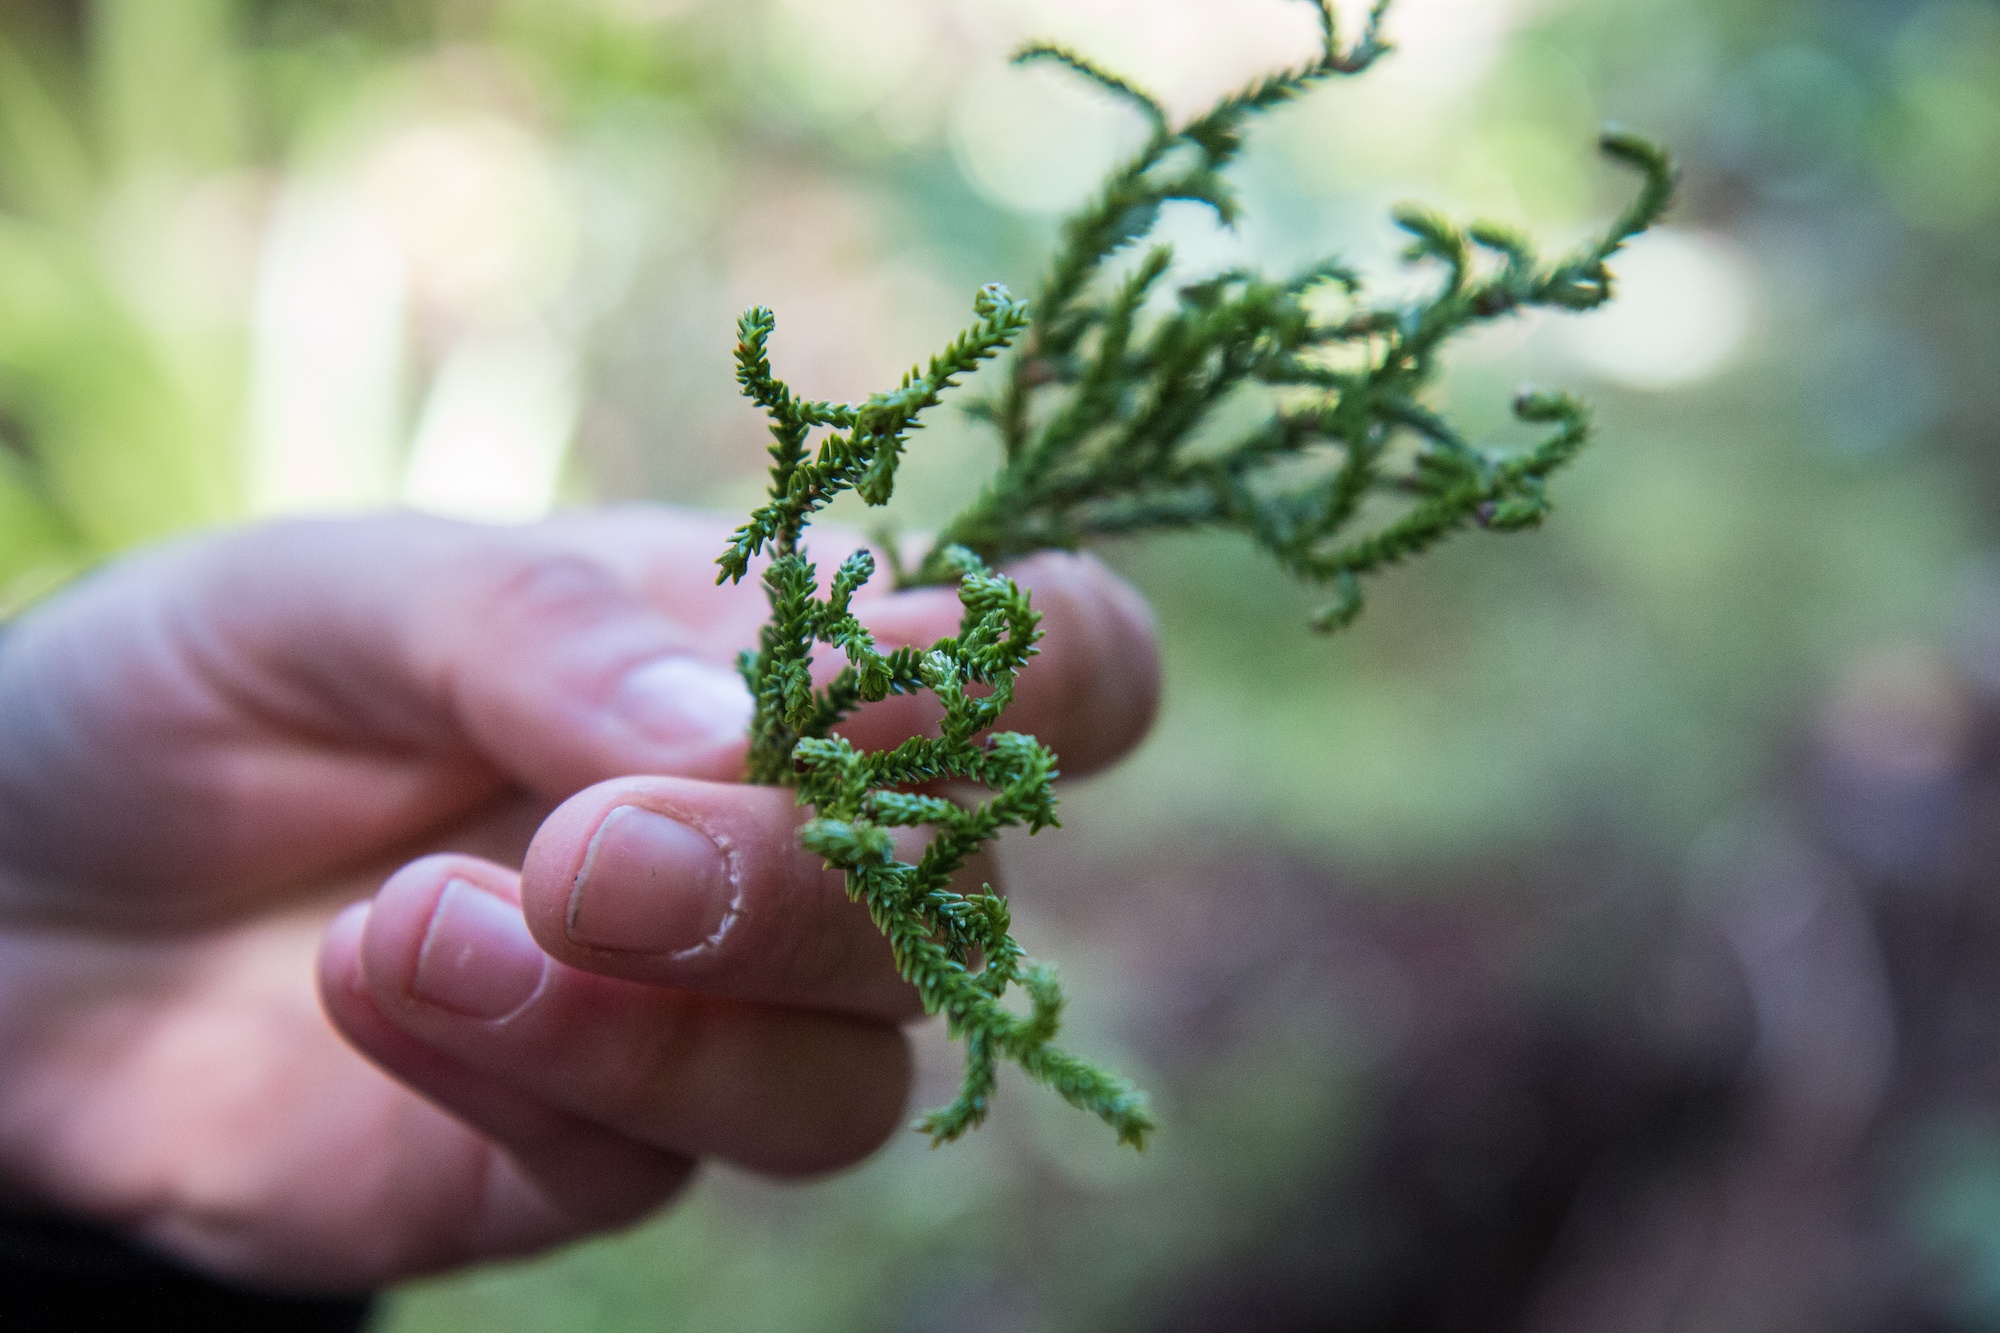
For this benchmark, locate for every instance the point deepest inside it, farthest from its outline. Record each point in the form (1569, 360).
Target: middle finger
(446, 958)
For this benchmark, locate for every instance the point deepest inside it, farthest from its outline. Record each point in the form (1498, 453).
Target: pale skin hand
(211, 756)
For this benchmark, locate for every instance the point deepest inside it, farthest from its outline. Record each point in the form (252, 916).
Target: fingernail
(478, 958)
(649, 884)
(679, 701)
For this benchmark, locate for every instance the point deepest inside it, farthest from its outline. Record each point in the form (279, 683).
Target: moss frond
(1101, 421)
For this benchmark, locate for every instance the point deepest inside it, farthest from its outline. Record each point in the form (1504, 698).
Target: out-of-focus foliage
(263, 256)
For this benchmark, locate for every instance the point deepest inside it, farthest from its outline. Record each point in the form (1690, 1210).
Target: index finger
(1090, 694)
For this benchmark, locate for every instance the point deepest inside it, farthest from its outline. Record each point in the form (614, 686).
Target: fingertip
(401, 918)
(1094, 690)
(343, 986)
(697, 714)
(881, 1105)
(555, 855)
(339, 972)
(343, 933)
(871, 1079)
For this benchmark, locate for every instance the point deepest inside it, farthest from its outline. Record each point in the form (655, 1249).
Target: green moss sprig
(956, 949)
(1101, 417)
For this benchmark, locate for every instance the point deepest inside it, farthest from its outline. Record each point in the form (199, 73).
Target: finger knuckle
(544, 591)
(639, 1089)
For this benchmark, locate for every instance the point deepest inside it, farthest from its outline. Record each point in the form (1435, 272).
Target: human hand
(208, 752)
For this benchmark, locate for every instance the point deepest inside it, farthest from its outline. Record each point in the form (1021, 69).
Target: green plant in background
(1105, 417)
(117, 409)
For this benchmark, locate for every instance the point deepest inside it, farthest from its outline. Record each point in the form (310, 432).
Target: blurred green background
(484, 256)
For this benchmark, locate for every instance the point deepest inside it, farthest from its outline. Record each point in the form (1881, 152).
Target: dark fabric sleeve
(65, 1276)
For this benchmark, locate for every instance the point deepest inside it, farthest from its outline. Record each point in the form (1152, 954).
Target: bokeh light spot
(1684, 311)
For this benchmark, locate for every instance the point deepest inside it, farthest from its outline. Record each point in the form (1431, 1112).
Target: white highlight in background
(1440, 46)
(1038, 139)
(1684, 305)
(491, 440)
(326, 358)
